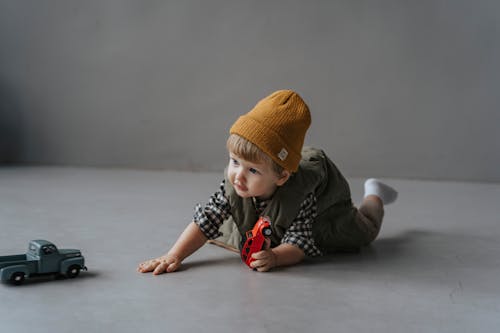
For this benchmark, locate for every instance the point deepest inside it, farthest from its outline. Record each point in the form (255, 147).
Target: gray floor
(435, 267)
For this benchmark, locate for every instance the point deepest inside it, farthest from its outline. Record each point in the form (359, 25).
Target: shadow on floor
(415, 253)
(53, 278)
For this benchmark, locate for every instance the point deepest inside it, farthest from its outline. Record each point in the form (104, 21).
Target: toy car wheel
(17, 278)
(267, 231)
(73, 271)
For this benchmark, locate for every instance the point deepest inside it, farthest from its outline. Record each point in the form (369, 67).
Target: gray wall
(396, 88)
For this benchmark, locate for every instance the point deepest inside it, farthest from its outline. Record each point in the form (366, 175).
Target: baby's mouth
(239, 186)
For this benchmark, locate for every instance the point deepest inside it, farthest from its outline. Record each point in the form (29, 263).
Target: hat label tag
(283, 154)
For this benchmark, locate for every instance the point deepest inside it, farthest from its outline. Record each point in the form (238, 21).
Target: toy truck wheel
(267, 231)
(17, 278)
(73, 271)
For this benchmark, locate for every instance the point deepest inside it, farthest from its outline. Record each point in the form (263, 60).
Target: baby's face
(251, 179)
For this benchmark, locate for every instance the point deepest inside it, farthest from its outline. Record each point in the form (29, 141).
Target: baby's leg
(369, 217)
(371, 212)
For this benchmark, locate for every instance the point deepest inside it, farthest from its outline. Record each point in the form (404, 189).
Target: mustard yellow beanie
(277, 125)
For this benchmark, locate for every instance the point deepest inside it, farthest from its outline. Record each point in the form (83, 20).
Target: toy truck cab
(52, 260)
(254, 239)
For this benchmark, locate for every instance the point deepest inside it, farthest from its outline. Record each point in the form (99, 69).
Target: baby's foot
(375, 187)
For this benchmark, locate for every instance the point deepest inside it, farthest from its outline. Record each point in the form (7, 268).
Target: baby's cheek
(230, 176)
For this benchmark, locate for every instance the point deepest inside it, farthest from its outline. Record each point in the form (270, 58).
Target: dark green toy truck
(42, 257)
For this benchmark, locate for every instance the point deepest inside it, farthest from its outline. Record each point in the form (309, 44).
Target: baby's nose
(239, 176)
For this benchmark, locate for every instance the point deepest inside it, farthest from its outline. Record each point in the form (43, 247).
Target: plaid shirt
(210, 217)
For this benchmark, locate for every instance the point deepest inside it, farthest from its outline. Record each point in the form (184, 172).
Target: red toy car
(254, 239)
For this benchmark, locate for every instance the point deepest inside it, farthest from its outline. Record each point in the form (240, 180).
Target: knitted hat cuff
(267, 140)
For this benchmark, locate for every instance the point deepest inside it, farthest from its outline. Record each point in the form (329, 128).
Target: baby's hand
(164, 264)
(265, 259)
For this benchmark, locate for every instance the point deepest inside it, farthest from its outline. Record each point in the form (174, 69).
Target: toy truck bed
(15, 259)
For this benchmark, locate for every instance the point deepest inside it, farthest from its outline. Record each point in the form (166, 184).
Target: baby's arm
(282, 255)
(188, 242)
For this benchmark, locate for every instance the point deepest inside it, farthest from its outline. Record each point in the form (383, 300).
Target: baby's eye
(235, 162)
(254, 171)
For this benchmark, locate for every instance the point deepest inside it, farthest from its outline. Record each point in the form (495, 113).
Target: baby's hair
(250, 152)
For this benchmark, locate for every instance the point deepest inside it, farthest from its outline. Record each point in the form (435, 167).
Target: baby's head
(246, 150)
(270, 136)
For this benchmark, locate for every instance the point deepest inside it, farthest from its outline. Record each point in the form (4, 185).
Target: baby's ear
(285, 175)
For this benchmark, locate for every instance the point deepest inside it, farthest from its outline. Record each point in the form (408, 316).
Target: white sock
(375, 187)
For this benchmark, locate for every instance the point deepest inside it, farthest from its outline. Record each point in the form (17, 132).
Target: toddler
(300, 189)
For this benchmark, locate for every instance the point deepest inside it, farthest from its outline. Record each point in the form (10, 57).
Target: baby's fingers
(161, 268)
(260, 255)
(166, 266)
(172, 267)
(147, 266)
(159, 265)
(261, 265)
(264, 260)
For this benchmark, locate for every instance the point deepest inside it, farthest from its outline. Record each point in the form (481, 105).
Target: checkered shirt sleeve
(211, 216)
(300, 231)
